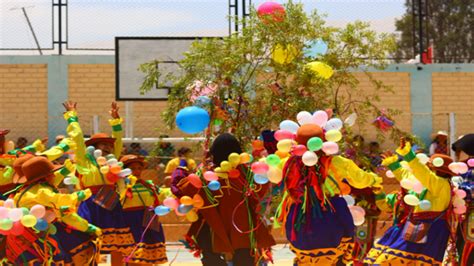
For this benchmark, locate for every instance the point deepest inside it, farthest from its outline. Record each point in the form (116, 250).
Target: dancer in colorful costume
(318, 222)
(228, 223)
(72, 243)
(420, 238)
(103, 208)
(138, 212)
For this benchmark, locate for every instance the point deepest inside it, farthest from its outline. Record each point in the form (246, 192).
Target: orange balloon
(345, 188)
(257, 145)
(1, 203)
(115, 169)
(198, 202)
(281, 154)
(244, 157)
(234, 173)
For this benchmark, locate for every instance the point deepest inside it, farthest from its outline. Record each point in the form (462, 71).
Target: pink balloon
(171, 203)
(3, 212)
(320, 118)
(461, 193)
(38, 211)
(470, 162)
(462, 168)
(417, 187)
(356, 208)
(460, 209)
(49, 216)
(299, 150)
(330, 148)
(210, 176)
(195, 180)
(260, 168)
(283, 134)
(15, 214)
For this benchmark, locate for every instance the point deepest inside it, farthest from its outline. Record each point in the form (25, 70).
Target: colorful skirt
(78, 247)
(325, 238)
(393, 249)
(116, 234)
(151, 249)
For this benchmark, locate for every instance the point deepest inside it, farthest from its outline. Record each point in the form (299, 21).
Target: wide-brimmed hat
(19, 177)
(307, 131)
(442, 134)
(445, 167)
(4, 132)
(100, 137)
(132, 158)
(38, 168)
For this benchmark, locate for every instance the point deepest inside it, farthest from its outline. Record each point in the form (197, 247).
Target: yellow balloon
(333, 135)
(28, 220)
(284, 145)
(275, 175)
(321, 69)
(282, 55)
(226, 166)
(220, 173)
(192, 216)
(186, 200)
(234, 159)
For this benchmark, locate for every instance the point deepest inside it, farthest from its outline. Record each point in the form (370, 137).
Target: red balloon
(112, 177)
(17, 228)
(195, 180)
(283, 134)
(271, 10)
(234, 173)
(299, 150)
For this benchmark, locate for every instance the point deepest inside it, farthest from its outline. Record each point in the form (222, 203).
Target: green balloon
(314, 144)
(25, 211)
(273, 160)
(6, 224)
(52, 229)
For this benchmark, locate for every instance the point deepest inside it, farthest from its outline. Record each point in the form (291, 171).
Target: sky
(95, 23)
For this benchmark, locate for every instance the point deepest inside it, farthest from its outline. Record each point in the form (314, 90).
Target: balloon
(245, 158)
(41, 225)
(25, 211)
(273, 160)
(28, 220)
(333, 123)
(272, 10)
(320, 69)
(234, 159)
(423, 158)
(417, 187)
(210, 176)
(460, 193)
(350, 120)
(186, 208)
(214, 185)
(15, 214)
(90, 150)
(257, 145)
(192, 216)
(389, 174)
(52, 230)
(411, 200)
(320, 118)
(171, 203)
(460, 209)
(9, 203)
(104, 170)
(110, 157)
(316, 48)
(38, 211)
(438, 162)
(112, 162)
(349, 200)
(289, 126)
(406, 184)
(195, 180)
(358, 215)
(17, 229)
(470, 162)
(282, 55)
(260, 179)
(125, 172)
(3, 212)
(186, 200)
(462, 168)
(234, 173)
(314, 144)
(202, 101)
(333, 135)
(260, 168)
(275, 175)
(282, 154)
(162, 210)
(97, 154)
(9, 145)
(67, 181)
(6, 224)
(283, 134)
(457, 180)
(425, 205)
(309, 158)
(458, 202)
(330, 148)
(299, 150)
(285, 145)
(305, 117)
(225, 166)
(112, 177)
(198, 202)
(115, 169)
(49, 216)
(192, 120)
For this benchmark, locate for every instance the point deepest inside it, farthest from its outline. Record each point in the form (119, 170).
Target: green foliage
(254, 93)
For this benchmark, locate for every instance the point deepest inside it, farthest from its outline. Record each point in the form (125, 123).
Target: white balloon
(389, 174)
(349, 200)
(320, 118)
(305, 117)
(310, 158)
(290, 126)
(350, 120)
(423, 158)
(333, 123)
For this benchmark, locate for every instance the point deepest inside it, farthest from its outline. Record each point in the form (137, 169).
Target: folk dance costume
(72, 244)
(138, 213)
(103, 208)
(421, 236)
(318, 223)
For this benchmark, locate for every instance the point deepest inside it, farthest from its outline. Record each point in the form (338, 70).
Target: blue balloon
(41, 225)
(316, 48)
(202, 101)
(260, 179)
(162, 210)
(90, 150)
(184, 208)
(192, 120)
(214, 185)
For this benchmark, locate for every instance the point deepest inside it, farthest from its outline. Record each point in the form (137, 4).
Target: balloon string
(235, 225)
(175, 256)
(127, 259)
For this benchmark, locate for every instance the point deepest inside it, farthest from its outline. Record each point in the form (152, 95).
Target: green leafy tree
(252, 92)
(447, 26)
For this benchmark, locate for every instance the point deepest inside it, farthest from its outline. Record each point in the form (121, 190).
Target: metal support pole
(129, 119)
(95, 124)
(452, 132)
(60, 26)
(420, 28)
(32, 31)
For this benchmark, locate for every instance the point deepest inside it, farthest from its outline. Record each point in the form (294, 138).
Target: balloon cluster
(357, 212)
(109, 165)
(185, 206)
(15, 220)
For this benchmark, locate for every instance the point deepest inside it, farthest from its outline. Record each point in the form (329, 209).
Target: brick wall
(23, 100)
